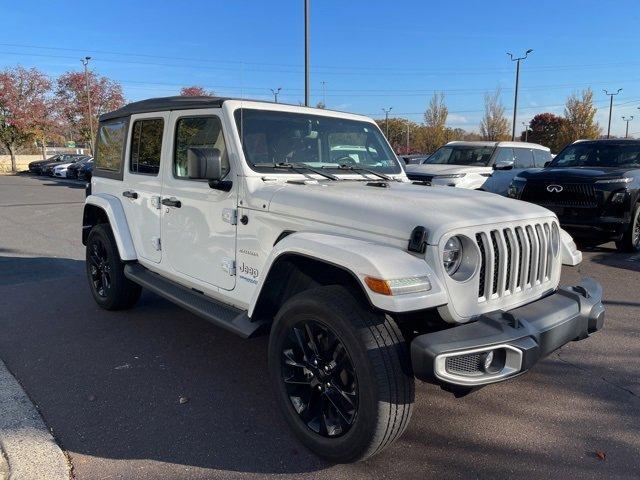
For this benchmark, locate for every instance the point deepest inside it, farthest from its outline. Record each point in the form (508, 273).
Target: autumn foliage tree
(579, 114)
(494, 124)
(397, 128)
(547, 129)
(435, 117)
(196, 91)
(24, 108)
(72, 104)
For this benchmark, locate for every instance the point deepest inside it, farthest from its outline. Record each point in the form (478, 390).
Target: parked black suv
(593, 187)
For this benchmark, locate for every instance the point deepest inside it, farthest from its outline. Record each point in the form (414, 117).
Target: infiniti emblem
(554, 188)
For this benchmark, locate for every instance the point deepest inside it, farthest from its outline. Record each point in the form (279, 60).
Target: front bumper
(501, 345)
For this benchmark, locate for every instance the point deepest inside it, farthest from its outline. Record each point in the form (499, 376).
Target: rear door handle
(171, 202)
(130, 194)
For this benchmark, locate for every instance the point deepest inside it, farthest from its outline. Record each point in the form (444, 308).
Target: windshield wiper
(298, 168)
(362, 171)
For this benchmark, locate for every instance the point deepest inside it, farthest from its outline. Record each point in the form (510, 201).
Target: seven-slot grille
(580, 195)
(514, 259)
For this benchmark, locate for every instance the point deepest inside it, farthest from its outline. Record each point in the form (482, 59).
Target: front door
(198, 222)
(143, 182)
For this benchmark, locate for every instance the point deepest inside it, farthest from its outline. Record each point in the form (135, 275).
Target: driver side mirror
(503, 165)
(204, 163)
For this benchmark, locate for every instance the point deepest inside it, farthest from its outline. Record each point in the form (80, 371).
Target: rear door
(198, 222)
(143, 182)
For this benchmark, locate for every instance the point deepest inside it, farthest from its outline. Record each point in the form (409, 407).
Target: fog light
(488, 359)
(619, 197)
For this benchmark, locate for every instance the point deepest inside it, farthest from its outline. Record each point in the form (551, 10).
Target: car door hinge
(230, 215)
(229, 266)
(156, 243)
(156, 202)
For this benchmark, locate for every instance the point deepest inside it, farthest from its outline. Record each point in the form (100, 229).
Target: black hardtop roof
(607, 140)
(163, 104)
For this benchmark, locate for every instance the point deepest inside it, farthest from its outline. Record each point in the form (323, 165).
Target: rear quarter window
(541, 157)
(110, 149)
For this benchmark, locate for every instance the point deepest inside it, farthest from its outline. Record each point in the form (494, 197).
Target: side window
(110, 147)
(524, 158)
(146, 145)
(504, 155)
(202, 132)
(541, 157)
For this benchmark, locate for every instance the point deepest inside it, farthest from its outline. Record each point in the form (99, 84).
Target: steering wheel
(346, 160)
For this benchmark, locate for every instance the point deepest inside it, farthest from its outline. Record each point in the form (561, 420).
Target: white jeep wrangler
(301, 224)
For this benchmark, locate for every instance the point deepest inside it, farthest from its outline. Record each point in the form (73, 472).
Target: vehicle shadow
(609, 256)
(55, 181)
(109, 385)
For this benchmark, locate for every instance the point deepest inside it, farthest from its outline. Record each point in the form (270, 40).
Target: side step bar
(218, 313)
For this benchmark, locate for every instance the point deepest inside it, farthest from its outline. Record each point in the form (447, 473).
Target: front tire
(105, 272)
(341, 373)
(631, 239)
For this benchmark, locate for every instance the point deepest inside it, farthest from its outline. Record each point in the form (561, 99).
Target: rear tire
(105, 272)
(630, 241)
(378, 387)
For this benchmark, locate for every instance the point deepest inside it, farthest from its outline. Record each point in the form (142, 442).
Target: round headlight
(555, 239)
(452, 255)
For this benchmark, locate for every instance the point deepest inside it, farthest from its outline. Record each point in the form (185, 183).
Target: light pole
(386, 120)
(324, 93)
(85, 62)
(275, 93)
(627, 119)
(515, 100)
(526, 131)
(306, 53)
(611, 95)
(408, 136)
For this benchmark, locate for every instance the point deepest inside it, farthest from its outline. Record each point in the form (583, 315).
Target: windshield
(271, 138)
(599, 155)
(462, 155)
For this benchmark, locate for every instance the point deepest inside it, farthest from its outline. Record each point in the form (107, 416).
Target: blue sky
(371, 54)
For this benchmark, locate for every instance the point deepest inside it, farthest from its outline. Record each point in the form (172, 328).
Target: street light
(85, 62)
(611, 95)
(515, 101)
(526, 131)
(275, 93)
(386, 120)
(306, 53)
(627, 119)
(324, 93)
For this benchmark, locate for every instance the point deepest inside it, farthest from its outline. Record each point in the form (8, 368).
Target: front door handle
(171, 202)
(130, 194)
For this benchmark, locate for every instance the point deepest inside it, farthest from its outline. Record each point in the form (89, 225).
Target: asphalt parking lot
(108, 384)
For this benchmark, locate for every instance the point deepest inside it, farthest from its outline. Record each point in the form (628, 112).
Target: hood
(575, 174)
(395, 211)
(441, 169)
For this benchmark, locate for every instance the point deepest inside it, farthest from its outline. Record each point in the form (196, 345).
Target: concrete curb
(28, 446)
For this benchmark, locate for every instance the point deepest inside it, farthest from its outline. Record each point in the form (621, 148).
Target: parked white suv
(489, 166)
(300, 224)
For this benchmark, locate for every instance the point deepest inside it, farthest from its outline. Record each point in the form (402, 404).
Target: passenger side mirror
(204, 163)
(503, 165)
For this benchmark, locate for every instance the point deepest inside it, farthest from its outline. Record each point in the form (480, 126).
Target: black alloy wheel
(319, 378)
(99, 267)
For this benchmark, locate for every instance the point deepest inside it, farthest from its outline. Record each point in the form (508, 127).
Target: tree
(321, 105)
(24, 107)
(546, 129)
(494, 125)
(397, 132)
(579, 114)
(71, 99)
(196, 91)
(435, 118)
